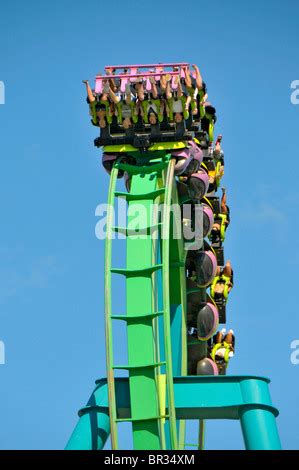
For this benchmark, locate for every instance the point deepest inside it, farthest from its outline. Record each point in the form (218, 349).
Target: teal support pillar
(258, 422)
(259, 429)
(92, 430)
(244, 398)
(93, 427)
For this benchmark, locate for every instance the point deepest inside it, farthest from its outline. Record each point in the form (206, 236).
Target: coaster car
(129, 122)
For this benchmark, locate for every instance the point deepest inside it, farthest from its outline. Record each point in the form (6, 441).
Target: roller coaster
(157, 136)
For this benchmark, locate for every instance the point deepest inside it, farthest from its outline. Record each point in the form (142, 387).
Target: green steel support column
(144, 364)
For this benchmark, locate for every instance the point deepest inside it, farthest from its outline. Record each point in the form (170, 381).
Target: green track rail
(152, 333)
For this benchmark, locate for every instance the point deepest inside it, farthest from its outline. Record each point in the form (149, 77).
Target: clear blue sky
(51, 268)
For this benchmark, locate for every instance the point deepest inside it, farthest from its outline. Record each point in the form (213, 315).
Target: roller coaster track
(158, 397)
(170, 375)
(156, 336)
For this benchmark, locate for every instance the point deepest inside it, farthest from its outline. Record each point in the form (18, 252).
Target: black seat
(215, 201)
(219, 250)
(197, 350)
(221, 305)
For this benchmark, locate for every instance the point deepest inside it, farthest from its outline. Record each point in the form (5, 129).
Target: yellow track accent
(162, 395)
(152, 148)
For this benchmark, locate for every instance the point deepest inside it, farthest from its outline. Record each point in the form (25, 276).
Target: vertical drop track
(156, 337)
